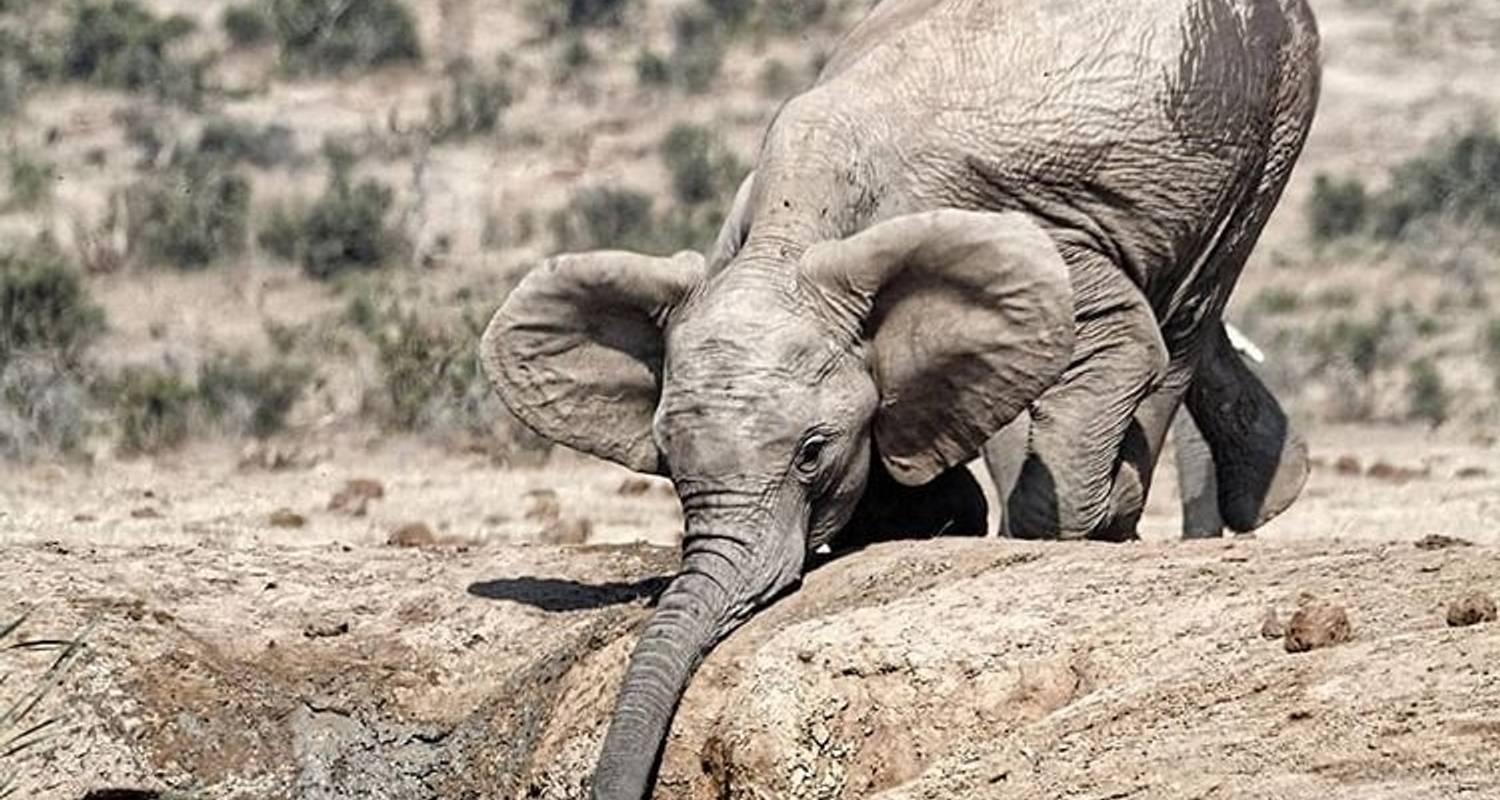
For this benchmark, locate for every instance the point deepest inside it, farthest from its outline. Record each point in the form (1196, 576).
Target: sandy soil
(238, 659)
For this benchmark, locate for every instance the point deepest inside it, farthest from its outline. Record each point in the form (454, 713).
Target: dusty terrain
(232, 658)
(249, 637)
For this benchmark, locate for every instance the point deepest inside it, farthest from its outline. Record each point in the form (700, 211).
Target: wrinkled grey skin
(989, 217)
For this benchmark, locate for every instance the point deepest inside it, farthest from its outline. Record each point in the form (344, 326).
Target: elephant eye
(810, 454)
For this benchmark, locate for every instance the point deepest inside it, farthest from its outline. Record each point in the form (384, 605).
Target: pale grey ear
(969, 316)
(576, 350)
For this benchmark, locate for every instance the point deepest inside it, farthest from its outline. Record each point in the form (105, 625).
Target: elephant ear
(969, 318)
(576, 350)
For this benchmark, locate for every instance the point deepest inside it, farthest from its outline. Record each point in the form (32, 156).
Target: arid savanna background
(268, 533)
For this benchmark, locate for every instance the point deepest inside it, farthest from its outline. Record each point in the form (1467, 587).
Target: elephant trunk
(709, 597)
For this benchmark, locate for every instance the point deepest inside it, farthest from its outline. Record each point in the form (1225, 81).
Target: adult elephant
(987, 215)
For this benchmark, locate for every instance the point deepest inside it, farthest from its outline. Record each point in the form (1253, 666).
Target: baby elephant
(988, 217)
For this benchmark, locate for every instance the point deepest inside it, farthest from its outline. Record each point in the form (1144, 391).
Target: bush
(122, 45)
(335, 35)
(1337, 208)
(153, 408)
(248, 25)
(702, 168)
(604, 217)
(43, 407)
(555, 16)
(472, 107)
(30, 181)
(192, 215)
(235, 142)
(794, 16)
(699, 51)
(777, 80)
(1457, 176)
(732, 13)
(1359, 344)
(1426, 395)
(44, 304)
(1275, 300)
(652, 70)
(256, 398)
(345, 230)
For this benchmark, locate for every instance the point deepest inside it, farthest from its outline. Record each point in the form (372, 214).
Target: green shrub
(1361, 345)
(257, 397)
(345, 230)
(555, 16)
(248, 25)
(1457, 176)
(44, 304)
(30, 181)
(777, 80)
(652, 70)
(1277, 300)
(44, 407)
(472, 106)
(193, 214)
(336, 35)
(1337, 208)
(733, 13)
(123, 45)
(794, 16)
(605, 217)
(702, 169)
(152, 406)
(235, 142)
(698, 53)
(1426, 394)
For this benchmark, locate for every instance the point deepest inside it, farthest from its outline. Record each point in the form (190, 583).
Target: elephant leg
(1261, 464)
(1066, 482)
(1196, 481)
(952, 504)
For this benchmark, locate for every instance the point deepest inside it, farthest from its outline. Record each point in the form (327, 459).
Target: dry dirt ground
(232, 658)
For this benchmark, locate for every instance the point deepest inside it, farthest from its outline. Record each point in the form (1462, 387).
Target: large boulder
(942, 669)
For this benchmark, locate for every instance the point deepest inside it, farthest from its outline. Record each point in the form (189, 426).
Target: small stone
(287, 518)
(413, 534)
(1471, 609)
(324, 630)
(145, 512)
(84, 518)
(1317, 624)
(1381, 471)
(354, 499)
(567, 531)
(1347, 465)
(1470, 473)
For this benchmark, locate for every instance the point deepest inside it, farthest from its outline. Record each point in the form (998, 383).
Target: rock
(1317, 624)
(413, 534)
(145, 512)
(325, 630)
(1347, 465)
(1390, 473)
(567, 531)
(1471, 609)
(1471, 473)
(354, 499)
(287, 518)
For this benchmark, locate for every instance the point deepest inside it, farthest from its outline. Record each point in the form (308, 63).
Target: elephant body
(998, 226)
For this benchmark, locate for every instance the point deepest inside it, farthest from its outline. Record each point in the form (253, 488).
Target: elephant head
(761, 390)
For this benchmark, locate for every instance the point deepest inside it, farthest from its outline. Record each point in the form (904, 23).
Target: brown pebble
(1271, 626)
(354, 499)
(1471, 609)
(1469, 473)
(287, 518)
(324, 630)
(84, 518)
(1317, 624)
(567, 531)
(145, 512)
(413, 534)
(1347, 465)
(1381, 471)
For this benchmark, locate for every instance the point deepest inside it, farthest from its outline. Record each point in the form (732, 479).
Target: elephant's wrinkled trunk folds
(707, 600)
